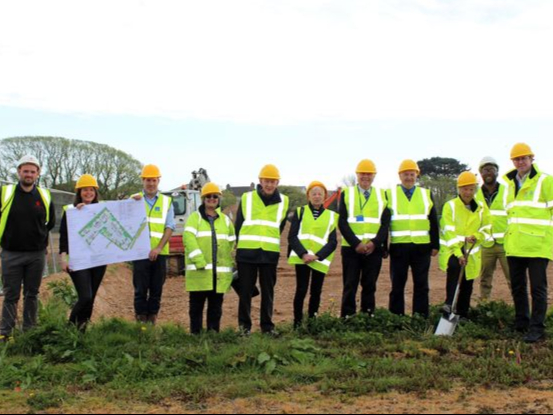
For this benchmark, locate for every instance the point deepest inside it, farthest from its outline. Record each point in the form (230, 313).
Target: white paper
(107, 233)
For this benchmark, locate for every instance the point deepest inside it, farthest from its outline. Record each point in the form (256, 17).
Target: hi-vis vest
(498, 212)
(530, 220)
(157, 218)
(364, 219)
(457, 224)
(314, 235)
(261, 227)
(198, 242)
(410, 223)
(8, 194)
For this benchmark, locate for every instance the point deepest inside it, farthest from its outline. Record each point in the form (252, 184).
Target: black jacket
(27, 227)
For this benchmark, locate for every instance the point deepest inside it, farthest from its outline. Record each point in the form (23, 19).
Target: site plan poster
(107, 233)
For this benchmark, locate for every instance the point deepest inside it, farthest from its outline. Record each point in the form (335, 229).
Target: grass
(55, 366)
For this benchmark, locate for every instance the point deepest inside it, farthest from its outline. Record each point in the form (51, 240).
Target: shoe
(521, 328)
(534, 337)
(272, 333)
(243, 332)
(152, 319)
(141, 318)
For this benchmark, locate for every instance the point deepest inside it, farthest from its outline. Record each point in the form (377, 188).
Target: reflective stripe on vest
(261, 227)
(314, 234)
(371, 214)
(407, 227)
(157, 218)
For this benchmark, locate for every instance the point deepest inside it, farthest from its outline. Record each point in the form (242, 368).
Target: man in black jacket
(27, 216)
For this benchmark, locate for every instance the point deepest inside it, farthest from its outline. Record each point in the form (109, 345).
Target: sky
(311, 86)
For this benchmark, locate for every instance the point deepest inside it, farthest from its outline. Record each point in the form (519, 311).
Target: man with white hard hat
(494, 194)
(27, 216)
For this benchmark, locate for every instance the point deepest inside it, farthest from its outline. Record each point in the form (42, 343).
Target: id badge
(360, 218)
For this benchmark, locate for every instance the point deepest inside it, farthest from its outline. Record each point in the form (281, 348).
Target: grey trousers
(21, 269)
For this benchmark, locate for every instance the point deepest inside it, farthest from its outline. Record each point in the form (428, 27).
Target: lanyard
(361, 195)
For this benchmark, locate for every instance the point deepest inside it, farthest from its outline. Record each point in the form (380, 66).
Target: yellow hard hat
(86, 180)
(269, 172)
(467, 179)
(151, 172)
(366, 166)
(521, 150)
(314, 184)
(211, 189)
(409, 165)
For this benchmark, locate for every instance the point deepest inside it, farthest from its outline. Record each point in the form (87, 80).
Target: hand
(137, 197)
(80, 206)
(308, 259)
(471, 240)
(370, 248)
(65, 267)
(435, 252)
(463, 261)
(154, 253)
(361, 249)
(385, 254)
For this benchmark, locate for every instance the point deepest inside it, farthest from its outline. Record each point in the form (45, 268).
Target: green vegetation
(55, 365)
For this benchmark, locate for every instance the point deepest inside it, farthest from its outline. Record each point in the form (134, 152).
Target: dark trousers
(306, 277)
(536, 270)
(359, 268)
(87, 282)
(248, 274)
(21, 269)
(465, 293)
(149, 278)
(418, 258)
(214, 311)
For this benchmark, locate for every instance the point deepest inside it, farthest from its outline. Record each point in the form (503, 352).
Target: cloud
(266, 62)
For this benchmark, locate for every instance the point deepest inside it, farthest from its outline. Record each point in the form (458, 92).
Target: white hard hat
(28, 160)
(487, 161)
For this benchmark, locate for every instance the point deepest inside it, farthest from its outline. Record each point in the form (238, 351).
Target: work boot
(152, 319)
(534, 337)
(141, 318)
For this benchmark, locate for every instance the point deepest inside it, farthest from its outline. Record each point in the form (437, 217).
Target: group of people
(508, 223)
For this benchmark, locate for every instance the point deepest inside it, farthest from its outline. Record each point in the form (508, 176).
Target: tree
(229, 199)
(64, 160)
(442, 167)
(296, 195)
(439, 175)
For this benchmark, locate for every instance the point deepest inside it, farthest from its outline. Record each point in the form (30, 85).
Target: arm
(193, 251)
(345, 229)
(329, 248)
(434, 228)
(293, 239)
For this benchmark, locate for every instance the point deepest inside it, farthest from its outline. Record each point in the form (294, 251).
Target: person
(260, 220)
(364, 223)
(465, 225)
(529, 239)
(27, 215)
(209, 241)
(494, 195)
(415, 239)
(149, 275)
(313, 241)
(87, 281)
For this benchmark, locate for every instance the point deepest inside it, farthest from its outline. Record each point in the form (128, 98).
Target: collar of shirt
(409, 192)
(522, 179)
(20, 189)
(151, 202)
(362, 191)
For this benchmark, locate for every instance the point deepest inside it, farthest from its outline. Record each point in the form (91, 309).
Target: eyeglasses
(216, 197)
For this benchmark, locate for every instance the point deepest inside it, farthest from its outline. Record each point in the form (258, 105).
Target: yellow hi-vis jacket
(498, 212)
(364, 216)
(314, 235)
(530, 216)
(459, 223)
(198, 242)
(410, 223)
(261, 227)
(157, 218)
